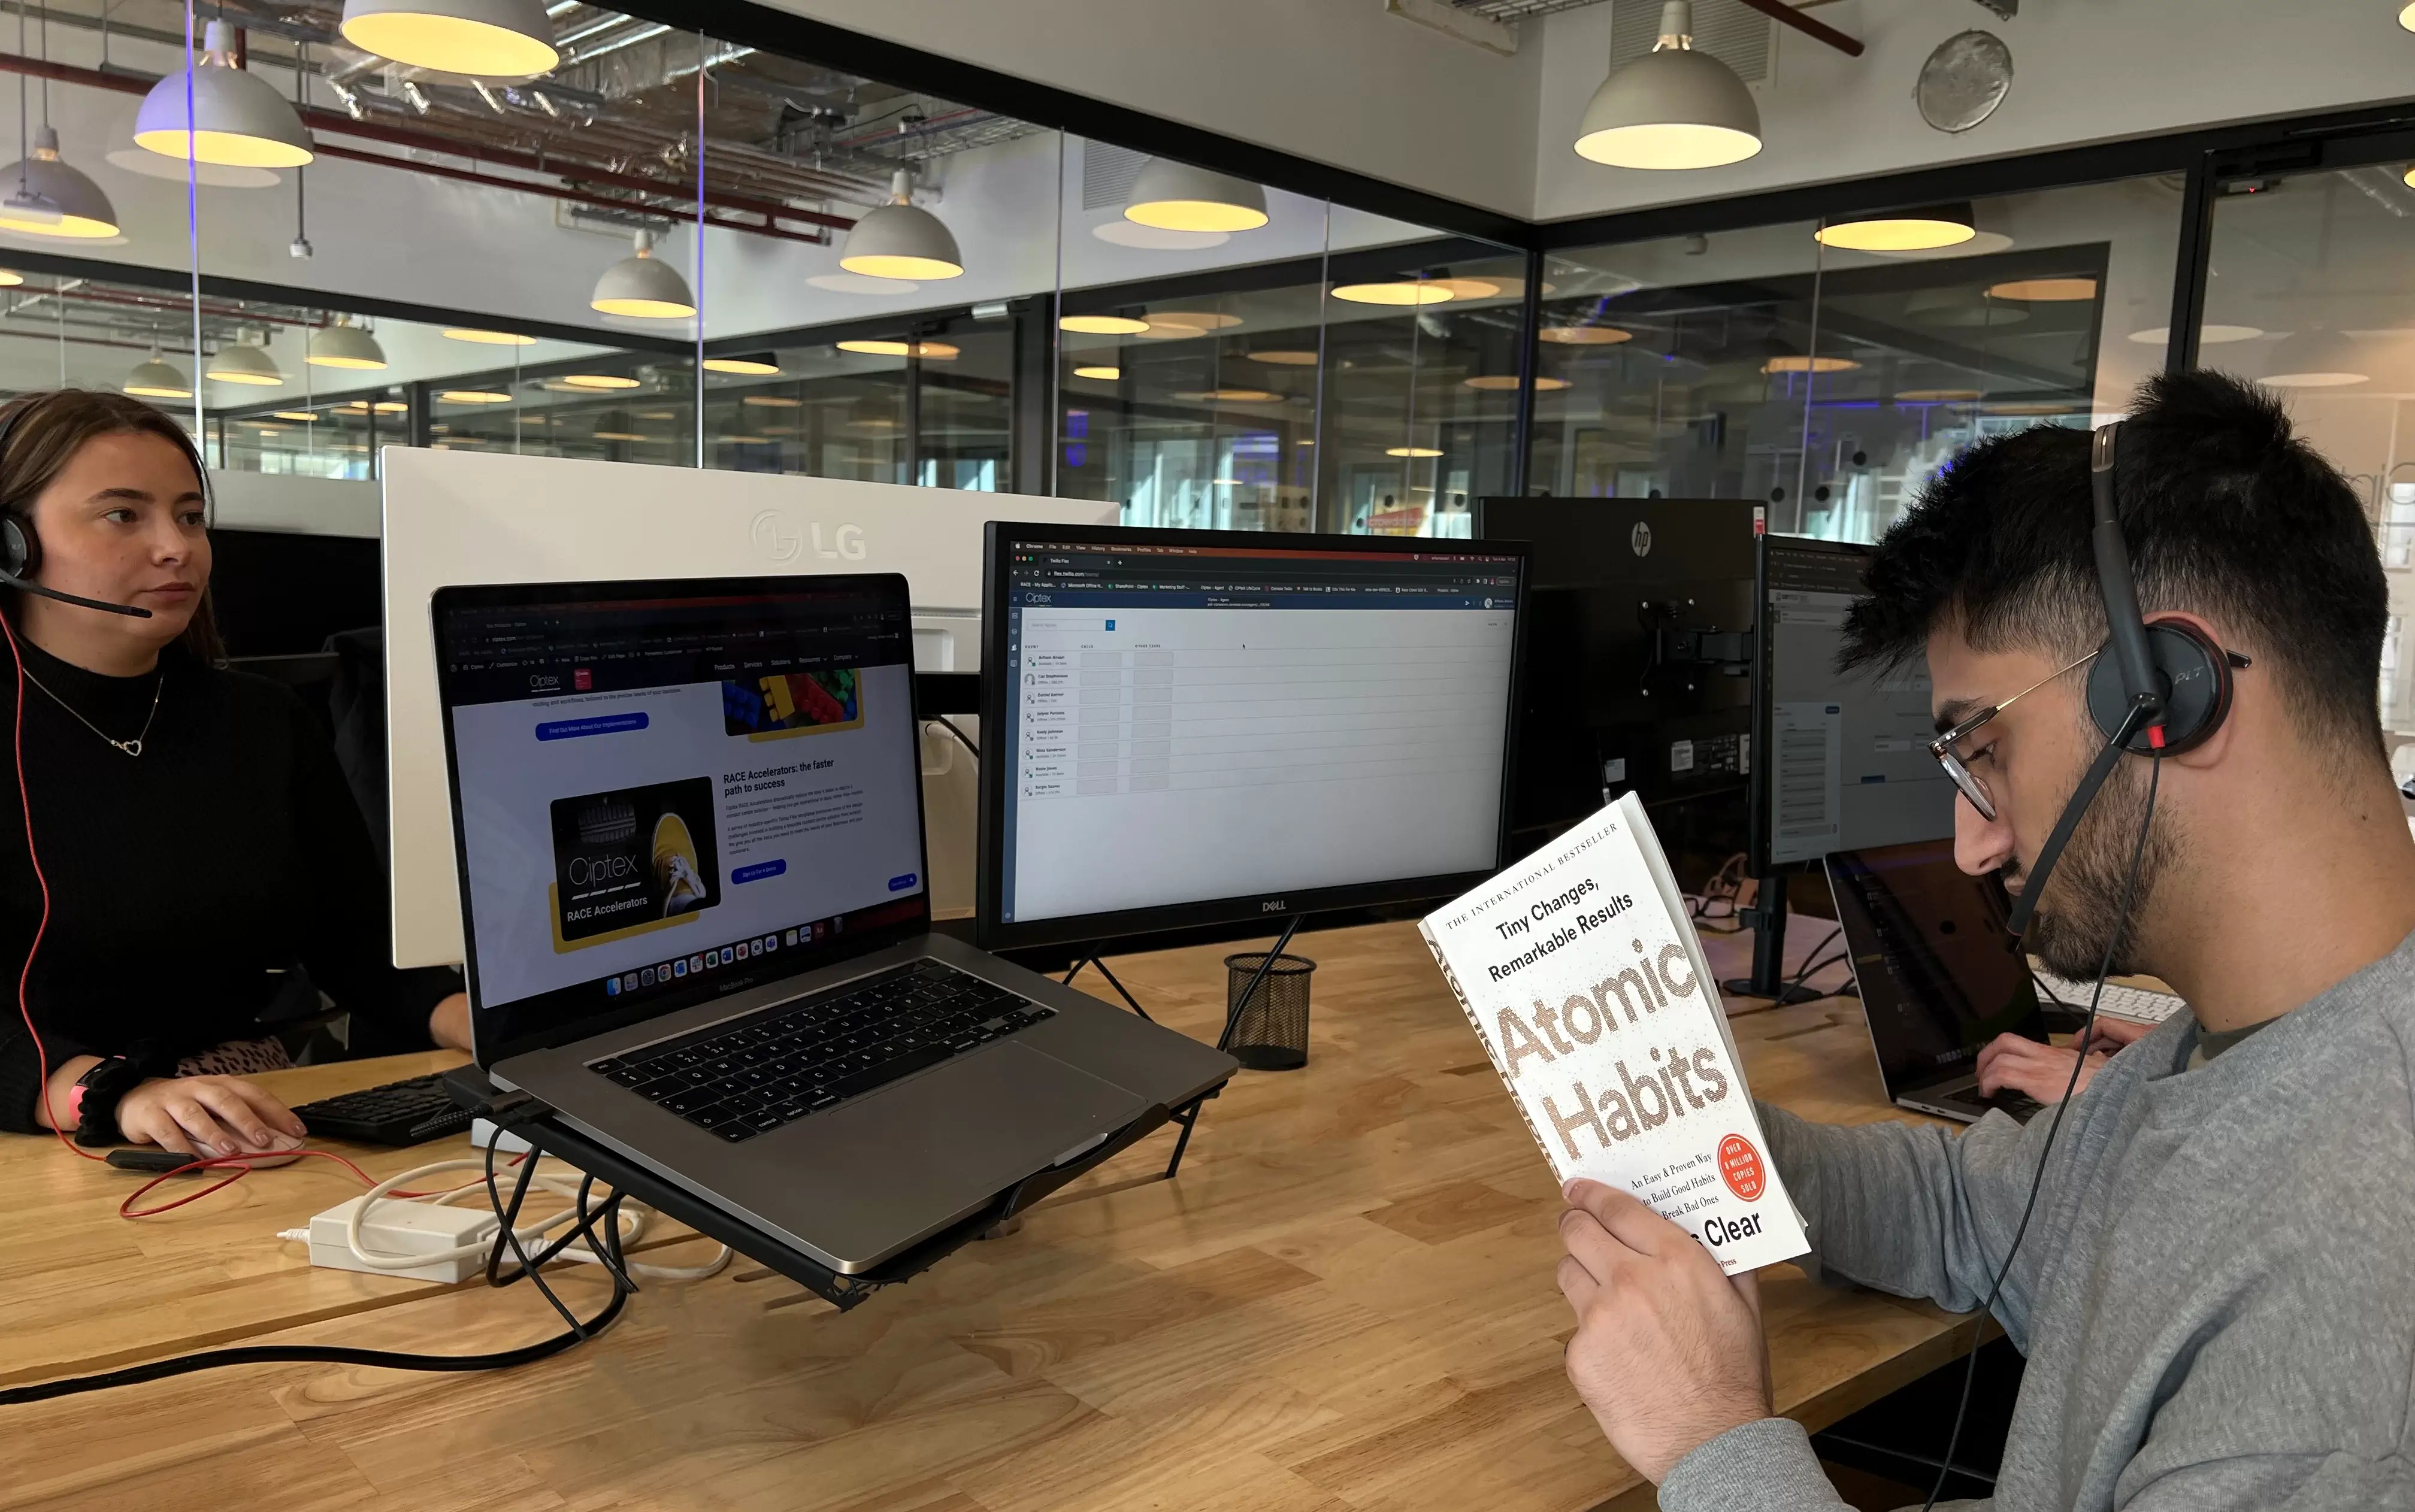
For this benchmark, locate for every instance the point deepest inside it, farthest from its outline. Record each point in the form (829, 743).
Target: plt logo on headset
(2154, 690)
(21, 549)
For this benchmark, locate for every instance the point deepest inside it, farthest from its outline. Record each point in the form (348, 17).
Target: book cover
(1581, 971)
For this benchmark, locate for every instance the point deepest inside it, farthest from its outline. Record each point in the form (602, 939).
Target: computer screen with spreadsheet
(1849, 767)
(1187, 728)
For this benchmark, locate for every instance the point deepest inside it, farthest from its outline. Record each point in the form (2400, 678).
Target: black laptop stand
(549, 1135)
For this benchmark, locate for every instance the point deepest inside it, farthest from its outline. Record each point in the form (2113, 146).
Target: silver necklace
(133, 747)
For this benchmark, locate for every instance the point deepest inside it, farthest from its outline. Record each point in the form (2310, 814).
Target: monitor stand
(1768, 917)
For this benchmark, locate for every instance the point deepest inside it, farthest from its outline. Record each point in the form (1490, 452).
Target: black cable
(2037, 1179)
(607, 1247)
(962, 739)
(1805, 974)
(1812, 954)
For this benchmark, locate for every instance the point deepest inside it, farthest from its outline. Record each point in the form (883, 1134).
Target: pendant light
(1172, 196)
(48, 198)
(1902, 231)
(902, 240)
(237, 119)
(1671, 108)
(484, 39)
(644, 286)
(247, 361)
(344, 345)
(156, 378)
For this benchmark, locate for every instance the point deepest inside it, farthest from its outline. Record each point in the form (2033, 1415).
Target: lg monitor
(1212, 728)
(465, 517)
(1638, 663)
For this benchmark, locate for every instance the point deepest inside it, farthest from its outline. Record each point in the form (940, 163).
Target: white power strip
(403, 1228)
(483, 1132)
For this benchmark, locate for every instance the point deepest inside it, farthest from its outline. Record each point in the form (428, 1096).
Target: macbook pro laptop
(697, 910)
(1937, 978)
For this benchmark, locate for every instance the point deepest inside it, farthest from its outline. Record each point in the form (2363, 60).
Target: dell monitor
(468, 517)
(1847, 764)
(1207, 729)
(1638, 661)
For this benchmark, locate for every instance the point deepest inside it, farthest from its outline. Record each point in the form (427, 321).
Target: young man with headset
(2208, 1260)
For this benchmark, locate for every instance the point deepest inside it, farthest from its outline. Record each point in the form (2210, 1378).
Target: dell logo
(1638, 540)
(1272, 906)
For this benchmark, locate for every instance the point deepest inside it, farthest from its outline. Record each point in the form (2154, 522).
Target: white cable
(633, 1225)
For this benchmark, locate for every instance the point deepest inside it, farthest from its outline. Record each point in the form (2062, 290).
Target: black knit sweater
(185, 883)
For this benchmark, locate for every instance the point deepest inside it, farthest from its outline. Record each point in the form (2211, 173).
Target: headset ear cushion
(2195, 675)
(19, 550)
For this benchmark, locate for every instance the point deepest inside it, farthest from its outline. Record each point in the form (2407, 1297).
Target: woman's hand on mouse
(226, 1111)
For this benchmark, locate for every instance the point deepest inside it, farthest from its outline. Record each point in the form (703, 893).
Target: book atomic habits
(1581, 973)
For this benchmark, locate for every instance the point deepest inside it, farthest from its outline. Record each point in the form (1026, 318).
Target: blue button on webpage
(759, 871)
(571, 729)
(899, 884)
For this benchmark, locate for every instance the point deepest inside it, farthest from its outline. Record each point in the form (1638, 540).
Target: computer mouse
(261, 1159)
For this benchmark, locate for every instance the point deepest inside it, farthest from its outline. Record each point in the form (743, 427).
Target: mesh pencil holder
(1269, 1033)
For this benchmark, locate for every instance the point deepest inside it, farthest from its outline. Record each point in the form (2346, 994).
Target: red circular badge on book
(1740, 1168)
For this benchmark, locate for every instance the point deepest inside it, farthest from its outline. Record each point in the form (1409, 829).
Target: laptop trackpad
(916, 1154)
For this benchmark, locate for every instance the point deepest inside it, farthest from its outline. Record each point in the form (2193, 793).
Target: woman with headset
(176, 838)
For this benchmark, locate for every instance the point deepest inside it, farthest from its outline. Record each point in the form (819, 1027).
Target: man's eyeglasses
(1948, 748)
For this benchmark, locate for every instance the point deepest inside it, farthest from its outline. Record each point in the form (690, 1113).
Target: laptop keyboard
(751, 1075)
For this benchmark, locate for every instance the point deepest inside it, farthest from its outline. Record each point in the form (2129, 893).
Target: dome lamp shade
(643, 286)
(248, 363)
(902, 240)
(482, 38)
(238, 120)
(1172, 196)
(1902, 231)
(46, 197)
(344, 345)
(1671, 108)
(156, 378)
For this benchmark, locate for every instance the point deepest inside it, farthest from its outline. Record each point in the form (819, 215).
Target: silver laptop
(1937, 974)
(696, 911)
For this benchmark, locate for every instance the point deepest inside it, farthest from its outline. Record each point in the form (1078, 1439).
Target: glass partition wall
(1831, 382)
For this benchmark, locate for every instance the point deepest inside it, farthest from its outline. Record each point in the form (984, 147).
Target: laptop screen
(1930, 955)
(668, 792)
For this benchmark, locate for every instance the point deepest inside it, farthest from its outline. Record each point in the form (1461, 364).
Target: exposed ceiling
(616, 123)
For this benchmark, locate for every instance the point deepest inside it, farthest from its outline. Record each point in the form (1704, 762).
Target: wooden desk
(1345, 1302)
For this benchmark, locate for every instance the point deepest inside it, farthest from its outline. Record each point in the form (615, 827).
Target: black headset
(21, 549)
(2154, 690)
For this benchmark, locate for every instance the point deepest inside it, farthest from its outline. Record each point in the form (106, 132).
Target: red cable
(41, 1052)
(26, 973)
(244, 1165)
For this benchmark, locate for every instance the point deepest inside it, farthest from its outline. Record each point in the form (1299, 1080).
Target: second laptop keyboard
(751, 1075)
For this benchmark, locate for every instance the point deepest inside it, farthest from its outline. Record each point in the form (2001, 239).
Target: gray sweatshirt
(2216, 1296)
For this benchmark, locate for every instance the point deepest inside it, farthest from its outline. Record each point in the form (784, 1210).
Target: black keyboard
(399, 1112)
(2022, 1106)
(751, 1075)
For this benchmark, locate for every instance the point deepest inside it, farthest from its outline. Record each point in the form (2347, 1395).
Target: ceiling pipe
(1785, 15)
(336, 123)
(818, 238)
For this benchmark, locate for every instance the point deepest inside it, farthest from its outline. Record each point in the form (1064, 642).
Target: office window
(2049, 314)
(2312, 297)
(1831, 384)
(1677, 368)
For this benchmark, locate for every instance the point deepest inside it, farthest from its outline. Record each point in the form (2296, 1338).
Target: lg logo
(776, 535)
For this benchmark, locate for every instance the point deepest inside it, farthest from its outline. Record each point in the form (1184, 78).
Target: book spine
(1450, 979)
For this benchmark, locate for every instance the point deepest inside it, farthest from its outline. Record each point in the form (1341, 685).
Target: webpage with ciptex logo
(656, 794)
